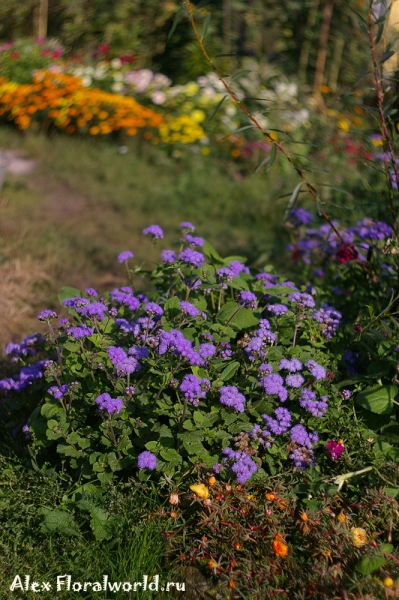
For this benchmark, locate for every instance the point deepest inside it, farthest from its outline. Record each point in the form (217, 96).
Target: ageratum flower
(147, 460)
(125, 297)
(295, 380)
(154, 309)
(300, 216)
(192, 257)
(302, 299)
(80, 332)
(230, 396)
(292, 365)
(47, 315)
(189, 309)
(123, 363)
(194, 388)
(316, 370)
(187, 225)
(58, 392)
(123, 256)
(248, 299)
(194, 240)
(108, 404)
(168, 256)
(155, 231)
(240, 463)
(277, 309)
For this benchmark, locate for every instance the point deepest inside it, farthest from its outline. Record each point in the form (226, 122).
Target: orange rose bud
(341, 518)
(233, 564)
(232, 584)
(211, 481)
(174, 499)
(281, 503)
(270, 496)
(279, 548)
(212, 564)
(237, 545)
(174, 514)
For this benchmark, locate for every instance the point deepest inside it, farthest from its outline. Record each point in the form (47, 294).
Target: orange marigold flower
(304, 517)
(270, 496)
(212, 564)
(341, 518)
(279, 548)
(232, 584)
(211, 481)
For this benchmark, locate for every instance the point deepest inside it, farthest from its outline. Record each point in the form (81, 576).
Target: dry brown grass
(18, 277)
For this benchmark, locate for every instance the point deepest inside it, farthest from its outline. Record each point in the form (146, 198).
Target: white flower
(117, 87)
(231, 110)
(118, 77)
(86, 80)
(158, 97)
(116, 63)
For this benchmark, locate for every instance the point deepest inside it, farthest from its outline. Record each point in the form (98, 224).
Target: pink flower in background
(14, 54)
(334, 449)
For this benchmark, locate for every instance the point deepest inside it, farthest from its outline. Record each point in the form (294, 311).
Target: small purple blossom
(292, 365)
(187, 225)
(207, 350)
(80, 331)
(108, 404)
(277, 309)
(273, 385)
(316, 370)
(155, 231)
(230, 396)
(346, 394)
(302, 299)
(123, 256)
(189, 309)
(47, 315)
(147, 460)
(123, 363)
(168, 256)
(58, 392)
(300, 216)
(192, 257)
(91, 292)
(240, 463)
(248, 299)
(194, 240)
(153, 309)
(194, 388)
(294, 380)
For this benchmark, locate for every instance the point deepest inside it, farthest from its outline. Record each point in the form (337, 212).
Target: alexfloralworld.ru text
(64, 583)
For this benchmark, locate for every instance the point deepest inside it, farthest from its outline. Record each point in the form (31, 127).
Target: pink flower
(334, 449)
(347, 253)
(14, 54)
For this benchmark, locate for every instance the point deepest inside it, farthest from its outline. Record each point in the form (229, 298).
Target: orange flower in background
(270, 496)
(279, 548)
(341, 518)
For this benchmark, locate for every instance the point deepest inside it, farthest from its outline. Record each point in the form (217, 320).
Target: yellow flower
(341, 518)
(358, 537)
(200, 490)
(343, 125)
(388, 582)
(205, 151)
(198, 115)
(191, 88)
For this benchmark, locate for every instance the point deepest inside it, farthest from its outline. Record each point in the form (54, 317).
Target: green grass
(136, 550)
(85, 203)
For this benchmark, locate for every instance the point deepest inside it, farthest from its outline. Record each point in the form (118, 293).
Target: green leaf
(68, 451)
(57, 521)
(170, 455)
(205, 26)
(217, 108)
(386, 548)
(211, 253)
(227, 311)
(292, 200)
(386, 56)
(240, 74)
(280, 290)
(368, 564)
(174, 24)
(378, 399)
(68, 292)
(393, 492)
(268, 160)
(229, 371)
(391, 432)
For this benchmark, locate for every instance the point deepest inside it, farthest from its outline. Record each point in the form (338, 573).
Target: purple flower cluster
(108, 404)
(316, 370)
(292, 365)
(189, 309)
(273, 384)
(368, 229)
(125, 297)
(174, 341)
(194, 388)
(311, 405)
(300, 436)
(47, 315)
(237, 267)
(83, 306)
(187, 225)
(302, 299)
(123, 256)
(206, 350)
(248, 299)
(80, 332)
(281, 423)
(192, 257)
(300, 216)
(58, 391)
(147, 460)
(154, 310)
(329, 319)
(24, 378)
(257, 345)
(155, 231)
(123, 363)
(240, 463)
(28, 347)
(294, 380)
(168, 256)
(194, 240)
(277, 309)
(225, 350)
(230, 396)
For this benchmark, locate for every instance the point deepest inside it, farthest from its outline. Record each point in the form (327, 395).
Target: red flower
(334, 449)
(347, 253)
(14, 54)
